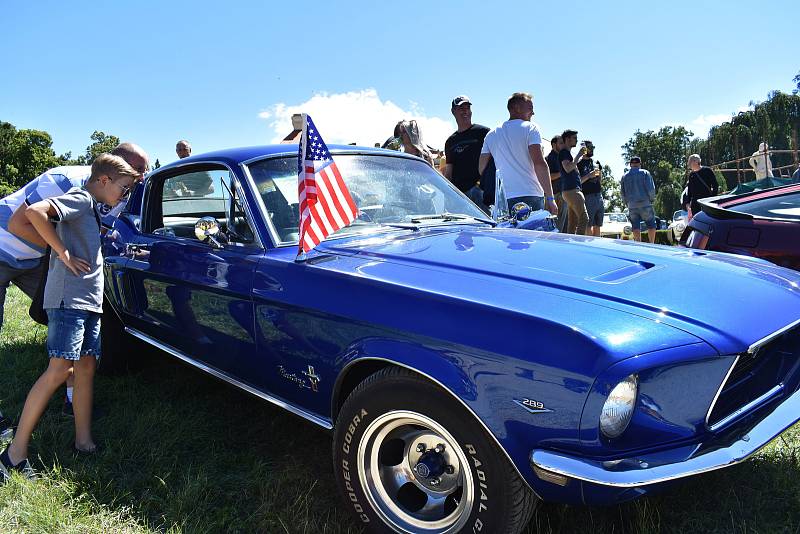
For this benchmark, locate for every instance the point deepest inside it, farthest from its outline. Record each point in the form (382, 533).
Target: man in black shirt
(556, 144)
(462, 151)
(578, 218)
(592, 191)
(702, 183)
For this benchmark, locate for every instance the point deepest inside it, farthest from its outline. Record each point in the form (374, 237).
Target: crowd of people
(567, 185)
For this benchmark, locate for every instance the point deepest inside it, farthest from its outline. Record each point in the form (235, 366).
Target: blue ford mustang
(466, 370)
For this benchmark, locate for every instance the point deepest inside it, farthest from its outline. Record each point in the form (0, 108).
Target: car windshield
(679, 214)
(388, 190)
(783, 207)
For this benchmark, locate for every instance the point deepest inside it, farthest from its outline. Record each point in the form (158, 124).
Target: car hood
(727, 300)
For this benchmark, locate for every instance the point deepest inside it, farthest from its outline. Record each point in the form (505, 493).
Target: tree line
(25, 154)
(775, 121)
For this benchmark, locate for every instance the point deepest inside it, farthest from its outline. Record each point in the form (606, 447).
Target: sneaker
(6, 468)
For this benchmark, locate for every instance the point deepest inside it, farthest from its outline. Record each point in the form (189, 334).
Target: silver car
(675, 230)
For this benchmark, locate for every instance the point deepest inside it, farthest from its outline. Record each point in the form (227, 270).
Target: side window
(188, 196)
(240, 229)
(276, 180)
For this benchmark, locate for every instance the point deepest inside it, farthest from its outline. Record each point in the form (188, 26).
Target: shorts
(72, 333)
(595, 208)
(642, 213)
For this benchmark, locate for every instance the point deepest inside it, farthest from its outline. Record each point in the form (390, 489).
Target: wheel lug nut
(421, 447)
(449, 469)
(439, 448)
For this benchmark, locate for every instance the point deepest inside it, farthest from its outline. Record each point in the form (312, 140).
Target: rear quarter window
(782, 207)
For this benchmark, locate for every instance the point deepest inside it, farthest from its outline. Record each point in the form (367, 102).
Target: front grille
(755, 375)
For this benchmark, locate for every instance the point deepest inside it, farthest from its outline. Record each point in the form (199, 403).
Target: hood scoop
(616, 276)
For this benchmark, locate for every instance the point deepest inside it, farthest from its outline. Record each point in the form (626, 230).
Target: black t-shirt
(569, 180)
(555, 167)
(462, 150)
(702, 184)
(592, 185)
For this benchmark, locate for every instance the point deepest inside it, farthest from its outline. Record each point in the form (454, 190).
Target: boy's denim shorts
(72, 333)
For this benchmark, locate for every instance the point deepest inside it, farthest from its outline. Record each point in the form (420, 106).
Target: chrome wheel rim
(414, 474)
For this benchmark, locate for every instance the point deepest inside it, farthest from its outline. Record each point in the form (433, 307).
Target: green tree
(796, 80)
(611, 191)
(8, 169)
(30, 154)
(103, 143)
(775, 121)
(670, 144)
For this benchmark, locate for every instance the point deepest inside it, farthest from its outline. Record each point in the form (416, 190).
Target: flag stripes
(326, 205)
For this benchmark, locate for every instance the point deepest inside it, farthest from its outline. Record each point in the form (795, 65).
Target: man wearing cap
(516, 148)
(462, 151)
(638, 193)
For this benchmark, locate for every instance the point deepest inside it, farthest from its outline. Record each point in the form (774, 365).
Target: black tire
(379, 419)
(117, 346)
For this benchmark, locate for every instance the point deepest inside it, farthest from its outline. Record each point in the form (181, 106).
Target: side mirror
(206, 229)
(520, 211)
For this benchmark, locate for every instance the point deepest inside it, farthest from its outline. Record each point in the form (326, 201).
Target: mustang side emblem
(310, 382)
(313, 378)
(532, 406)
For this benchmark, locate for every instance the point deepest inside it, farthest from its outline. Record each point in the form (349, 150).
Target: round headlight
(618, 408)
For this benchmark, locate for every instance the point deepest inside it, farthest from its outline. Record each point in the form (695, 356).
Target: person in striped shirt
(22, 249)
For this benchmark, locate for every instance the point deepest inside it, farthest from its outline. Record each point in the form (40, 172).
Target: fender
(475, 383)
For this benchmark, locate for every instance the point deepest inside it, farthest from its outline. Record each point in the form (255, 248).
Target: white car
(613, 224)
(675, 230)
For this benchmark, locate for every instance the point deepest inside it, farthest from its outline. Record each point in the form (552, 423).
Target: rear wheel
(408, 458)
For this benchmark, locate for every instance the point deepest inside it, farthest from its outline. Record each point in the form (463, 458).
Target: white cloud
(355, 117)
(703, 123)
(707, 121)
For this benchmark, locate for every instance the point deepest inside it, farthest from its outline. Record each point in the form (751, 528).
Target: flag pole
(301, 153)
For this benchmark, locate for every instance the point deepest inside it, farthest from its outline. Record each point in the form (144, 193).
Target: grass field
(186, 453)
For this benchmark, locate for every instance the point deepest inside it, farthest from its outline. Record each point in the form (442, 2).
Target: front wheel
(408, 458)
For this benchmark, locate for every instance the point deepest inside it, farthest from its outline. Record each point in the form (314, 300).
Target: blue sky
(230, 74)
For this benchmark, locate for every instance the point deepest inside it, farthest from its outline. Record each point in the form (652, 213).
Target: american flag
(325, 203)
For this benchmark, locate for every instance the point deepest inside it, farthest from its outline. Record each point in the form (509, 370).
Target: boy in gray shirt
(73, 300)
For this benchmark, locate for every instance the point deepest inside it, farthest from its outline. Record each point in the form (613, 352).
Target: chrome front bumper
(643, 471)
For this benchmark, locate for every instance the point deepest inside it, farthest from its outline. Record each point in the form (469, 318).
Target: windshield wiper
(449, 217)
(404, 226)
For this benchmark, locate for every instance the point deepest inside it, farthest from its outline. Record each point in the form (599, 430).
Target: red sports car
(764, 224)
